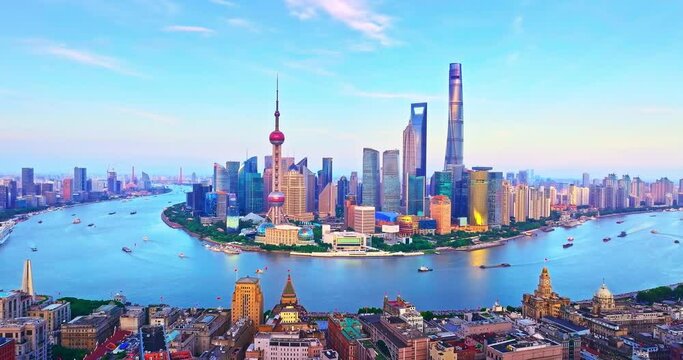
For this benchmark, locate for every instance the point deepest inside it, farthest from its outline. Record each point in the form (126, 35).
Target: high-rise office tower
(391, 187)
(371, 177)
(220, 178)
(326, 173)
(112, 187)
(409, 159)
(328, 201)
(586, 180)
(294, 192)
(440, 210)
(461, 192)
(232, 169)
(416, 197)
(454, 141)
(276, 199)
(13, 192)
(353, 184)
(250, 187)
(4, 197)
(342, 190)
(247, 301)
(67, 189)
(479, 190)
(80, 179)
(506, 201)
(442, 182)
(494, 198)
(349, 206)
(27, 184)
(521, 204)
(418, 120)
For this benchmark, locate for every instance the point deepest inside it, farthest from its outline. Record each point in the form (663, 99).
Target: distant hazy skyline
(558, 87)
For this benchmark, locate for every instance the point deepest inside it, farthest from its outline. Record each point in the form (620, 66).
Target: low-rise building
(237, 339)
(14, 304)
(29, 337)
(285, 346)
(481, 323)
(54, 314)
(163, 316)
(441, 351)
(282, 235)
(85, 332)
(346, 241)
(7, 349)
(134, 318)
(524, 348)
(343, 335)
(564, 333)
(404, 310)
(206, 326)
(669, 334)
(403, 341)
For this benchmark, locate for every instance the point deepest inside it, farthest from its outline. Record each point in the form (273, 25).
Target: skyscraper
(371, 177)
(353, 184)
(415, 202)
(326, 174)
(247, 301)
(276, 199)
(455, 137)
(494, 198)
(442, 181)
(328, 201)
(27, 184)
(67, 189)
(80, 179)
(220, 178)
(479, 191)
(250, 187)
(112, 187)
(294, 192)
(440, 210)
(418, 121)
(586, 181)
(391, 187)
(342, 190)
(232, 169)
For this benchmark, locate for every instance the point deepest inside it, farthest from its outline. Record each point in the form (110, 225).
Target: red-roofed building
(108, 345)
(7, 349)
(181, 355)
(158, 355)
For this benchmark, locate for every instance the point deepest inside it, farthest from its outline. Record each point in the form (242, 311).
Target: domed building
(603, 300)
(261, 229)
(306, 234)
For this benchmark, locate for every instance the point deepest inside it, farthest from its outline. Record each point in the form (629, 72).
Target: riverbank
(348, 254)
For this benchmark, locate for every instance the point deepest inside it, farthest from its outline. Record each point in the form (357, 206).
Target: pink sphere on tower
(277, 137)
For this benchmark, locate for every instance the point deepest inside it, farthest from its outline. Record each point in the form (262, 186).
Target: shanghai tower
(454, 140)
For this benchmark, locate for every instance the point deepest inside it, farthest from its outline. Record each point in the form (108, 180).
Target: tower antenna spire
(277, 102)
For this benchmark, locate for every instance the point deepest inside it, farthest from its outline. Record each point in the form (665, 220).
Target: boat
(261, 271)
(73, 214)
(653, 231)
(145, 238)
(570, 239)
(437, 253)
(622, 234)
(620, 221)
(501, 265)
(676, 242)
(424, 269)
(653, 215)
(181, 255)
(133, 212)
(5, 230)
(606, 239)
(527, 233)
(34, 249)
(76, 221)
(547, 228)
(567, 245)
(126, 250)
(91, 224)
(112, 213)
(40, 221)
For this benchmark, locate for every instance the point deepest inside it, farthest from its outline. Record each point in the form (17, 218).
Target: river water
(82, 261)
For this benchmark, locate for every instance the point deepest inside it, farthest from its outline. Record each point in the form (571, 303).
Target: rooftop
(248, 280)
(563, 324)
(522, 344)
(351, 328)
(53, 306)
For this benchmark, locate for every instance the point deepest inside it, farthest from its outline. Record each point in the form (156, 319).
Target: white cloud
(155, 118)
(80, 56)
(311, 65)
(223, 3)
(189, 29)
(356, 14)
(518, 24)
(392, 95)
(243, 24)
(656, 110)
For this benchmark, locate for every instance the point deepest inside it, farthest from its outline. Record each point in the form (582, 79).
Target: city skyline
(146, 103)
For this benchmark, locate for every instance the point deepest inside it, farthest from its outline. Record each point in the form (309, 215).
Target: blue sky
(561, 87)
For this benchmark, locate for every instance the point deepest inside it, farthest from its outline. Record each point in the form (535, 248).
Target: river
(87, 262)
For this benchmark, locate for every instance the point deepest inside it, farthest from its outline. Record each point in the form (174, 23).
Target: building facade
(247, 300)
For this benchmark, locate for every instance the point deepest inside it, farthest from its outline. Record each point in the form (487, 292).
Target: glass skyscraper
(418, 120)
(495, 192)
(220, 178)
(80, 179)
(416, 195)
(391, 187)
(442, 182)
(342, 190)
(326, 173)
(27, 184)
(455, 137)
(370, 178)
(250, 187)
(232, 169)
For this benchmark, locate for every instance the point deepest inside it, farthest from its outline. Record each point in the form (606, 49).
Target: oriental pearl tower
(276, 199)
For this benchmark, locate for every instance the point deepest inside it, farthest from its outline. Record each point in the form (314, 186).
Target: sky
(559, 87)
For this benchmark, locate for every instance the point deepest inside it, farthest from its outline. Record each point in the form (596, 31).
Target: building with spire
(603, 300)
(544, 301)
(27, 279)
(276, 198)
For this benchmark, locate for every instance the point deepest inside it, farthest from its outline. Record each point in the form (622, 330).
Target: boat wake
(642, 227)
